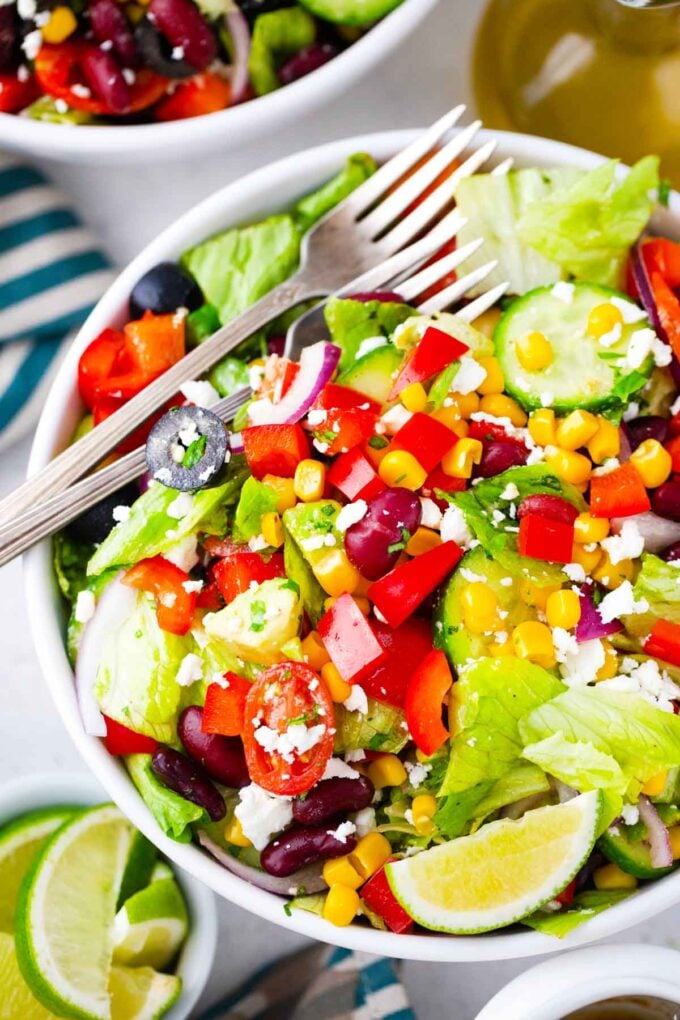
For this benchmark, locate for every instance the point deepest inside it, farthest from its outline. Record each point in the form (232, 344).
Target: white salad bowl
(244, 201)
(214, 132)
(44, 789)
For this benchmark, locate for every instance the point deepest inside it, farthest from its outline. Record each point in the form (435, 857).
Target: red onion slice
(309, 878)
(590, 625)
(317, 365)
(236, 442)
(644, 289)
(239, 30)
(116, 604)
(658, 532)
(660, 850)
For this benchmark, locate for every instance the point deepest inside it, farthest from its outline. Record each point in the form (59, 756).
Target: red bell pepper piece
(344, 429)
(544, 538)
(426, 438)
(174, 604)
(673, 447)
(398, 594)
(333, 395)
(210, 598)
(16, 95)
(663, 255)
(155, 343)
(566, 897)
(120, 740)
(350, 641)
(204, 93)
(438, 479)
(425, 694)
(274, 449)
(434, 353)
(224, 709)
(620, 493)
(352, 474)
(237, 571)
(379, 898)
(668, 308)
(664, 642)
(406, 646)
(445, 281)
(279, 374)
(97, 363)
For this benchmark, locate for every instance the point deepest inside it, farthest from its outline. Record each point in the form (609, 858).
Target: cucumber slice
(350, 12)
(374, 373)
(625, 846)
(584, 373)
(450, 634)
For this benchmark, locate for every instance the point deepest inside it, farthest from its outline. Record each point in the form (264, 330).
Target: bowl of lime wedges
(93, 922)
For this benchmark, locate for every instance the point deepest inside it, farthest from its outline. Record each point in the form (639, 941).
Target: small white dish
(43, 789)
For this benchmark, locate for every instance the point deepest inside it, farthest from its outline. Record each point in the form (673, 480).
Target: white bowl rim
(234, 126)
(44, 789)
(228, 206)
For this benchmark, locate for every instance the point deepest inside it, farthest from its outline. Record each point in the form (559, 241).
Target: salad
(107, 62)
(415, 618)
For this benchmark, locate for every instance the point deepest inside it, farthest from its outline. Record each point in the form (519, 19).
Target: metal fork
(55, 513)
(368, 239)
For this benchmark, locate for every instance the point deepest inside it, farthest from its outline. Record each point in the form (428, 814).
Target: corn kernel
(589, 529)
(603, 318)
(563, 609)
(568, 465)
(422, 541)
(674, 836)
(655, 786)
(587, 557)
(338, 688)
(414, 397)
(534, 594)
(272, 529)
(460, 461)
(335, 573)
(480, 607)
(487, 321)
(234, 834)
(341, 871)
(387, 770)
(341, 905)
(61, 25)
(370, 853)
(498, 649)
(611, 877)
(400, 468)
(450, 417)
(494, 382)
(423, 810)
(611, 575)
(610, 667)
(576, 430)
(284, 489)
(534, 352)
(309, 480)
(652, 462)
(542, 426)
(533, 641)
(605, 443)
(500, 406)
(465, 403)
(315, 652)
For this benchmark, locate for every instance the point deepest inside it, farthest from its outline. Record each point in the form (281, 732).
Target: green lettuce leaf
(357, 169)
(255, 500)
(351, 322)
(70, 564)
(454, 814)
(659, 583)
(588, 226)
(467, 810)
(578, 764)
(491, 697)
(584, 906)
(382, 728)
(173, 813)
(276, 36)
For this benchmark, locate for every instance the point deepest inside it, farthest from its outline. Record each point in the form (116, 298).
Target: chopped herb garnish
(664, 192)
(378, 442)
(194, 452)
(377, 741)
(399, 479)
(325, 436)
(328, 509)
(258, 615)
(306, 717)
(398, 546)
(291, 585)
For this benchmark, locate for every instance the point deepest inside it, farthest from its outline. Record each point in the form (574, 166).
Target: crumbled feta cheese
(629, 544)
(506, 582)
(313, 543)
(675, 406)
(343, 831)
(470, 375)
(121, 513)
(454, 529)
(60, 105)
(509, 492)
(606, 468)
(644, 342)
(370, 344)
(357, 701)
(191, 587)
(620, 602)
(564, 292)
(564, 642)
(294, 741)
(364, 821)
(27, 9)
(316, 417)
(630, 814)
(497, 516)
(261, 814)
(181, 506)
(351, 514)
(31, 47)
(130, 77)
(629, 311)
(470, 576)
(78, 89)
(23, 73)
(431, 515)
(85, 606)
(177, 53)
(190, 670)
(612, 337)
(184, 554)
(395, 418)
(648, 681)
(632, 411)
(547, 399)
(582, 666)
(339, 769)
(417, 773)
(200, 392)
(257, 543)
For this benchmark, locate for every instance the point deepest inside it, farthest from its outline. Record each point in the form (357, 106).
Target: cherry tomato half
(286, 693)
(16, 95)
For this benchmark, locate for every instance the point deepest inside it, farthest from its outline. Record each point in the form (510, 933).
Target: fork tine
(502, 168)
(458, 289)
(482, 303)
(411, 225)
(392, 171)
(419, 283)
(396, 204)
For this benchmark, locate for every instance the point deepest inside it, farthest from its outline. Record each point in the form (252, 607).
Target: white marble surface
(128, 207)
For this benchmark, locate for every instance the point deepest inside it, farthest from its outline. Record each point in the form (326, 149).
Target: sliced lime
(139, 867)
(140, 993)
(66, 907)
(151, 926)
(20, 841)
(500, 874)
(16, 1000)
(161, 870)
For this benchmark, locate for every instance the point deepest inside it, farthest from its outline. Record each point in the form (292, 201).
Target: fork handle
(87, 452)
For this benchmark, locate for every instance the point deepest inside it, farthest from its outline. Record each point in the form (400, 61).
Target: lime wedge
(20, 841)
(161, 870)
(140, 993)
(500, 874)
(139, 867)
(16, 1001)
(151, 926)
(66, 907)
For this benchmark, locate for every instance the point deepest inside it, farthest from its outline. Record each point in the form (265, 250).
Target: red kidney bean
(666, 500)
(184, 26)
(8, 35)
(189, 780)
(369, 541)
(300, 846)
(672, 553)
(553, 507)
(675, 371)
(104, 75)
(332, 797)
(222, 758)
(650, 426)
(306, 61)
(109, 24)
(498, 456)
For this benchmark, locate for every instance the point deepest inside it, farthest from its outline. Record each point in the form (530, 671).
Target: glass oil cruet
(603, 74)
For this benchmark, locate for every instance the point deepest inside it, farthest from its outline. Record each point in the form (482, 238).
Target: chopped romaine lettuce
(584, 906)
(467, 810)
(276, 36)
(454, 814)
(382, 728)
(173, 813)
(255, 500)
(70, 564)
(357, 169)
(659, 584)
(351, 322)
(577, 763)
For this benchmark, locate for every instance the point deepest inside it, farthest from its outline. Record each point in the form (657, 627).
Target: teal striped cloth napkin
(52, 272)
(320, 984)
